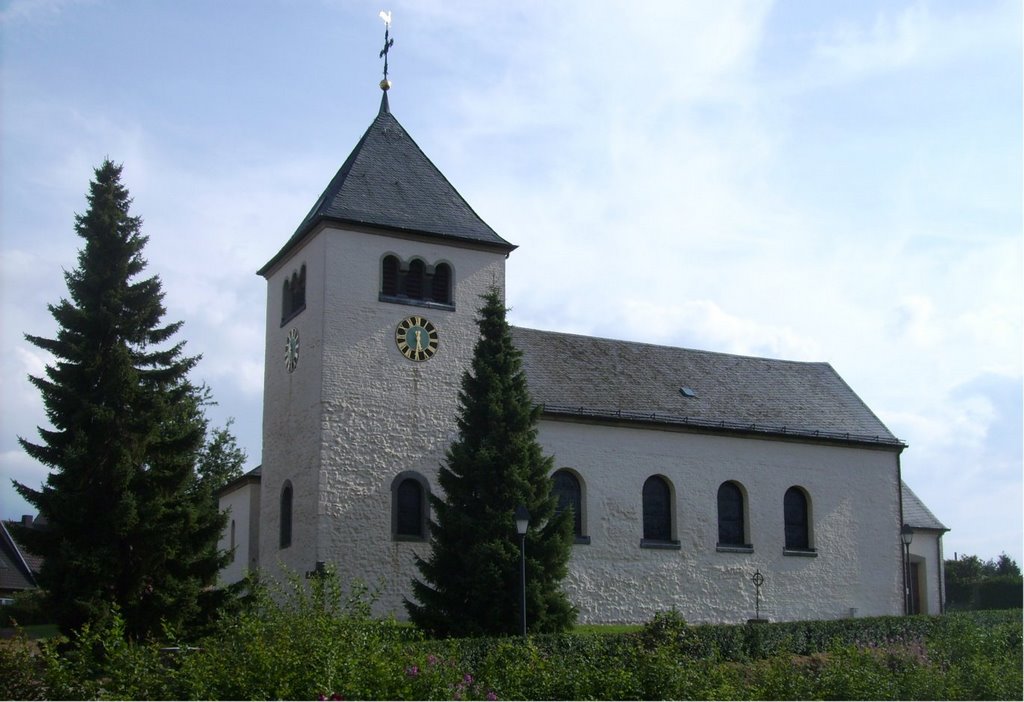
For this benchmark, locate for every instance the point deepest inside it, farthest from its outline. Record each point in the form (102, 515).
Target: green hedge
(991, 592)
(320, 641)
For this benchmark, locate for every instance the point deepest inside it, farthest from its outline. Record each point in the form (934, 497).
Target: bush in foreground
(316, 639)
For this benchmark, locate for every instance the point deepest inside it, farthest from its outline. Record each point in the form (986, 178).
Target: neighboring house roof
(915, 514)
(17, 569)
(584, 376)
(253, 476)
(387, 181)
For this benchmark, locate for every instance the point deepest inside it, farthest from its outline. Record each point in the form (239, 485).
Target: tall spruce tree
(130, 523)
(471, 580)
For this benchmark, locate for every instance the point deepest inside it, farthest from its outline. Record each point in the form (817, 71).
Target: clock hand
(419, 344)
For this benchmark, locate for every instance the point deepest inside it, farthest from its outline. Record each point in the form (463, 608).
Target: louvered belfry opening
(389, 276)
(415, 282)
(441, 284)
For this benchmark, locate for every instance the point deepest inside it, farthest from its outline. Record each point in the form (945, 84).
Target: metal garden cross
(758, 581)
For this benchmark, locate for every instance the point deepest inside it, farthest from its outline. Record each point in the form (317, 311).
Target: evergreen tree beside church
(130, 521)
(471, 580)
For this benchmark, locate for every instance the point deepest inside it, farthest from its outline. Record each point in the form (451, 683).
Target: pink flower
(491, 695)
(468, 679)
(412, 671)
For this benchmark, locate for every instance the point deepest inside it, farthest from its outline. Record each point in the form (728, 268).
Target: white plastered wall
(292, 414)
(242, 505)
(364, 413)
(926, 553)
(854, 507)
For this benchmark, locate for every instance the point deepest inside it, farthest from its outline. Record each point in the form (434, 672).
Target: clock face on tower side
(291, 350)
(416, 338)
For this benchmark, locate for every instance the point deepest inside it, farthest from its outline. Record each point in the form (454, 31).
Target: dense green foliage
(30, 607)
(471, 580)
(130, 521)
(316, 639)
(972, 583)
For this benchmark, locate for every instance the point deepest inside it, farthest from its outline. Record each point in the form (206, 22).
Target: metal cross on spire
(388, 43)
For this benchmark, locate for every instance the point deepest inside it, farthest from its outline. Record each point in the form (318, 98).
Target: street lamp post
(906, 536)
(522, 523)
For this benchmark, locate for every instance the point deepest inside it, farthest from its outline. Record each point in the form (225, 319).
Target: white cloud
(900, 38)
(891, 42)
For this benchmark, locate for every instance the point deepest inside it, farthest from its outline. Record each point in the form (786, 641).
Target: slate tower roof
(387, 181)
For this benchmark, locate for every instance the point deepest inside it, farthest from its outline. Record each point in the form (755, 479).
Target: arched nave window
(567, 488)
(731, 515)
(286, 515)
(796, 509)
(657, 510)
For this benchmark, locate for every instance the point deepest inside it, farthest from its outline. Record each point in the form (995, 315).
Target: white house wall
(926, 549)
(854, 511)
(242, 505)
(292, 413)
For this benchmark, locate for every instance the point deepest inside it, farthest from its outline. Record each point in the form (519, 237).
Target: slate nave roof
(584, 376)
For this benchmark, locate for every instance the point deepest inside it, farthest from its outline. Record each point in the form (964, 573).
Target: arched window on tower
(414, 279)
(389, 276)
(286, 300)
(416, 283)
(409, 506)
(293, 295)
(299, 289)
(286, 515)
(440, 284)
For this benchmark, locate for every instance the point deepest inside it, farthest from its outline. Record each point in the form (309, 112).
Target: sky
(805, 180)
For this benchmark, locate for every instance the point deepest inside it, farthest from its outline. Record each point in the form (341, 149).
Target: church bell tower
(371, 309)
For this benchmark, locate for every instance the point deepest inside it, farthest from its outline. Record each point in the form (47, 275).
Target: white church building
(689, 471)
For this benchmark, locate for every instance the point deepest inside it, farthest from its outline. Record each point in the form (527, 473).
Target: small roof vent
(687, 391)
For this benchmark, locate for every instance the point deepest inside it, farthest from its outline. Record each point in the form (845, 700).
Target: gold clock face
(291, 350)
(416, 338)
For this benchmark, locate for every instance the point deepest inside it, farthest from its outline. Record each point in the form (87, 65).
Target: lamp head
(906, 534)
(522, 520)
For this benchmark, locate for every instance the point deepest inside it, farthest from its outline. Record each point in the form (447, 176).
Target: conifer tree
(129, 522)
(471, 580)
